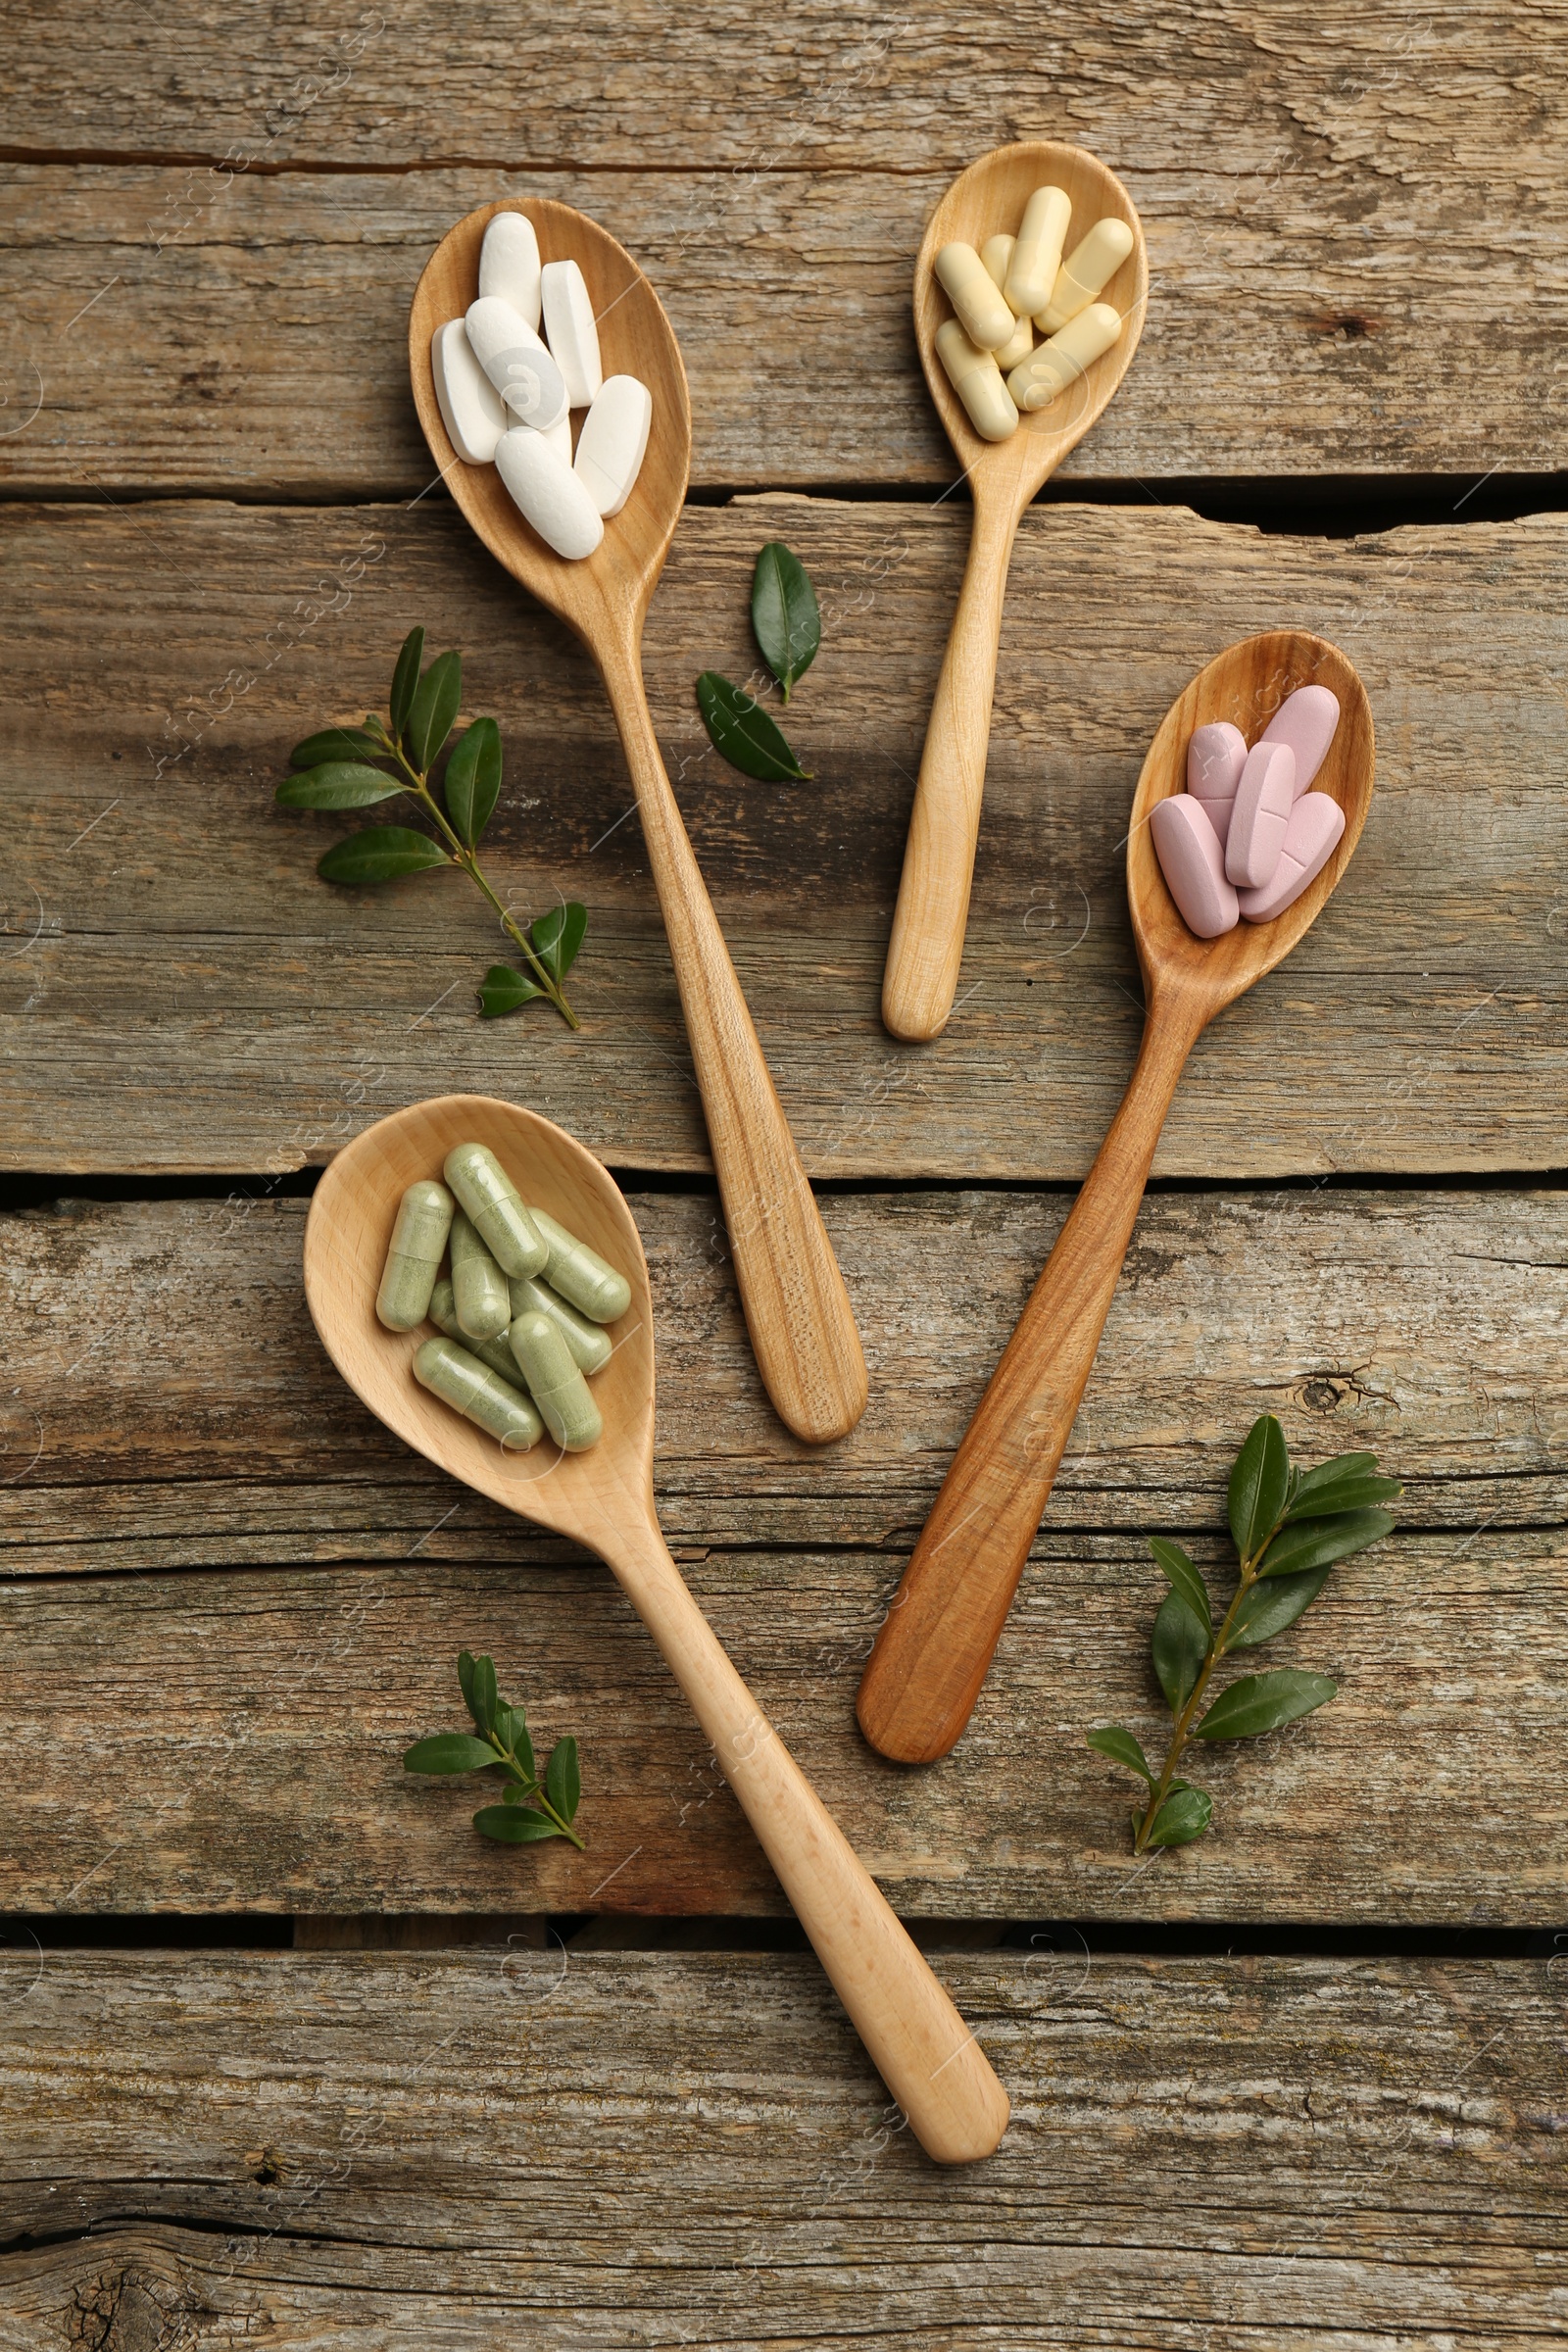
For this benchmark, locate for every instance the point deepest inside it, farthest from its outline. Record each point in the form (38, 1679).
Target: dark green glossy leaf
(449, 1751)
(563, 1780)
(385, 853)
(1182, 1818)
(513, 1825)
(1261, 1702)
(503, 990)
(1271, 1606)
(339, 784)
(557, 937)
(512, 1730)
(337, 743)
(1179, 1646)
(1330, 1473)
(472, 784)
(405, 678)
(1184, 1580)
(743, 731)
(1350, 1493)
(1319, 1543)
(1122, 1749)
(1259, 1484)
(480, 1690)
(785, 615)
(433, 710)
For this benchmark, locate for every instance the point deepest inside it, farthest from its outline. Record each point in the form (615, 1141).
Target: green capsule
(481, 1394)
(580, 1274)
(478, 1285)
(413, 1257)
(555, 1383)
(487, 1195)
(497, 1354)
(591, 1348)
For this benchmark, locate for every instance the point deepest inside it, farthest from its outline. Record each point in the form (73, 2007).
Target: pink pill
(1193, 865)
(1263, 801)
(1310, 840)
(1216, 758)
(1306, 721)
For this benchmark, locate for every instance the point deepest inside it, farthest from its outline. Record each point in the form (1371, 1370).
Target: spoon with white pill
(603, 1498)
(797, 1309)
(1004, 474)
(937, 1639)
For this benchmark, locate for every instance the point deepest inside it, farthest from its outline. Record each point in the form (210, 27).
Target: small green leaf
(512, 1730)
(745, 734)
(405, 678)
(1184, 1580)
(385, 853)
(339, 784)
(436, 704)
(503, 990)
(1179, 1646)
(1259, 1484)
(513, 1825)
(557, 937)
(1270, 1607)
(1182, 1818)
(1261, 1702)
(563, 1780)
(337, 743)
(479, 1689)
(785, 615)
(1352, 1493)
(1319, 1543)
(472, 784)
(449, 1751)
(1122, 1749)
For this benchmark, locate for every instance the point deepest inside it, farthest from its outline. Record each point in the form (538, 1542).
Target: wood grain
(355, 2150)
(167, 939)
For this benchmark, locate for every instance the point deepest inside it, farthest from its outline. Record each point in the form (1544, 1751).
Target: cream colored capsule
(1090, 264)
(978, 381)
(1037, 251)
(1045, 374)
(997, 252)
(972, 291)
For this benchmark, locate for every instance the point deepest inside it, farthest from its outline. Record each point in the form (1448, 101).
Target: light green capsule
(591, 1348)
(497, 1353)
(481, 1394)
(478, 1285)
(580, 1274)
(555, 1383)
(418, 1239)
(486, 1193)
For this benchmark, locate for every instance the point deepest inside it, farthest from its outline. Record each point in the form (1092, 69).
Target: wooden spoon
(987, 201)
(797, 1309)
(930, 1658)
(604, 1498)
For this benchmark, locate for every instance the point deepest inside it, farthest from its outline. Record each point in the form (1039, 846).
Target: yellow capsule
(413, 1257)
(1090, 264)
(970, 288)
(1037, 251)
(977, 380)
(1045, 374)
(997, 252)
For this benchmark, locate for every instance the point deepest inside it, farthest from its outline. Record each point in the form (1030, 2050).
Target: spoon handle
(931, 1656)
(921, 2047)
(797, 1309)
(928, 923)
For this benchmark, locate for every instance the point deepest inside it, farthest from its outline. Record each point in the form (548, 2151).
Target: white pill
(970, 288)
(509, 265)
(1037, 255)
(614, 437)
(1090, 264)
(559, 436)
(471, 406)
(573, 337)
(517, 362)
(548, 494)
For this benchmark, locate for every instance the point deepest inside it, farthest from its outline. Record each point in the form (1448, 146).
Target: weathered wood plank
(167, 941)
(622, 2150)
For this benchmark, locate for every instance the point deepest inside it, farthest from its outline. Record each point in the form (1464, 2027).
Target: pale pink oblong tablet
(1306, 721)
(1264, 799)
(1193, 865)
(1216, 758)
(1310, 840)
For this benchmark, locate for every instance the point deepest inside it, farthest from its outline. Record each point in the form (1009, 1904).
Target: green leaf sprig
(531, 1808)
(1290, 1527)
(787, 624)
(338, 768)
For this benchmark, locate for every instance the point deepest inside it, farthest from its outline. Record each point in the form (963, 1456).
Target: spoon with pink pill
(936, 1644)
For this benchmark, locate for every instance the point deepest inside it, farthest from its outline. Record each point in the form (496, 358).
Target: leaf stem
(532, 1789)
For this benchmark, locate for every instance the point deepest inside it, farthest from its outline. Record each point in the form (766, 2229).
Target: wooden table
(290, 2056)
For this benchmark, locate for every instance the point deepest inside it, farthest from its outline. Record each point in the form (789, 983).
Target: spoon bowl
(603, 1499)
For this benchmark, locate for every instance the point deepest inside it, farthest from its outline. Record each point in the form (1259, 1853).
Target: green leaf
(1182, 1818)
(1184, 1580)
(383, 853)
(434, 708)
(1180, 1647)
(337, 743)
(339, 784)
(743, 731)
(1270, 1607)
(785, 615)
(473, 780)
(1122, 1749)
(563, 1780)
(1319, 1543)
(1261, 1702)
(405, 678)
(1350, 1493)
(449, 1751)
(1259, 1484)
(503, 990)
(557, 937)
(513, 1825)
(478, 1689)
(512, 1730)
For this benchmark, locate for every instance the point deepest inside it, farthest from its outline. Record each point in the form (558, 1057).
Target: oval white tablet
(517, 362)
(471, 406)
(509, 265)
(548, 493)
(573, 336)
(612, 440)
